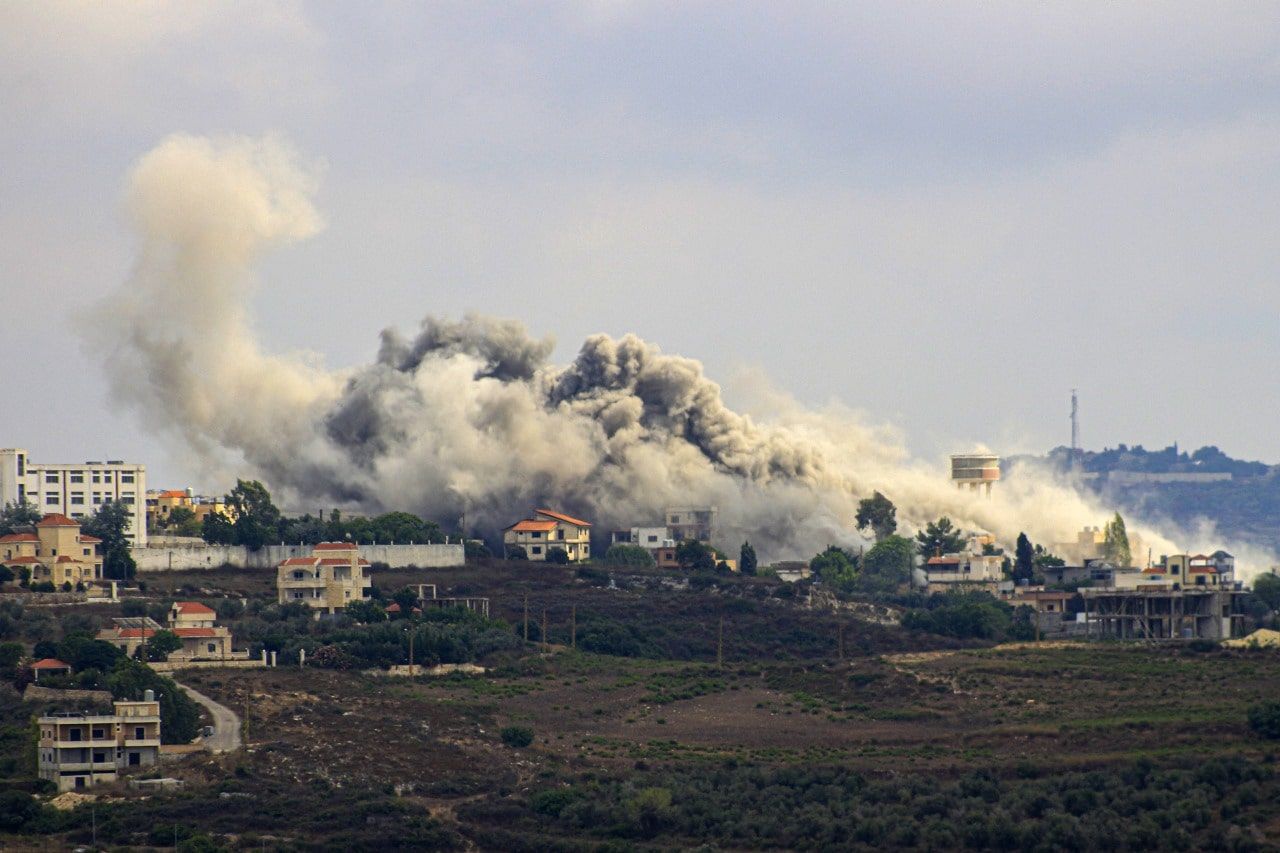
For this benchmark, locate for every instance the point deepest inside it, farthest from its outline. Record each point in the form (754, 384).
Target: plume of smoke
(470, 415)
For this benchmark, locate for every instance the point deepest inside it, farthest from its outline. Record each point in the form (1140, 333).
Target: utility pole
(573, 627)
(526, 617)
(1075, 431)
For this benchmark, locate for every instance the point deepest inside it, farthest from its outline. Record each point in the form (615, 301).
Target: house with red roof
(333, 576)
(54, 552)
(547, 529)
(193, 623)
(50, 666)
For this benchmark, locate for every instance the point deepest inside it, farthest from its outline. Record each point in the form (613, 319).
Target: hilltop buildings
(548, 529)
(162, 503)
(970, 569)
(57, 552)
(83, 748)
(192, 622)
(76, 489)
(327, 581)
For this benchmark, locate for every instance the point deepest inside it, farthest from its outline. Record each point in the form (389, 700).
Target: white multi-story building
(76, 490)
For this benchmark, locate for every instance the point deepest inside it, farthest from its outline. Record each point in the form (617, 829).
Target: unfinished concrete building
(1164, 614)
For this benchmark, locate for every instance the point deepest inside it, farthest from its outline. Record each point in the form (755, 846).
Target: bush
(558, 556)
(16, 809)
(1264, 719)
(628, 555)
(517, 552)
(517, 737)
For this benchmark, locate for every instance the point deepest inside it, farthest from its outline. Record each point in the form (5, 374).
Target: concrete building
(162, 503)
(76, 489)
(969, 569)
(692, 522)
(975, 470)
(548, 529)
(192, 622)
(1164, 613)
(327, 581)
(1090, 544)
(56, 552)
(83, 748)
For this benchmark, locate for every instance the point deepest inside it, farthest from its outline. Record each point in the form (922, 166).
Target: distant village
(1076, 590)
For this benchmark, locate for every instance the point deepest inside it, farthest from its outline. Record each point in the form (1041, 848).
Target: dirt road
(226, 723)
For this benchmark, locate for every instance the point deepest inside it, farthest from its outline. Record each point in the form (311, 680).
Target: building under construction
(1164, 614)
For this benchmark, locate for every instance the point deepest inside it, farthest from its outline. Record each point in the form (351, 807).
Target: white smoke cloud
(469, 415)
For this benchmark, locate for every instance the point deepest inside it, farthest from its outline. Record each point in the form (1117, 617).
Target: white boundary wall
(181, 557)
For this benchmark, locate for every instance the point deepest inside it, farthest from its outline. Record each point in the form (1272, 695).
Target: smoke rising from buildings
(470, 415)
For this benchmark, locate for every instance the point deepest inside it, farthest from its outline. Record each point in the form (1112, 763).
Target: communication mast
(1075, 430)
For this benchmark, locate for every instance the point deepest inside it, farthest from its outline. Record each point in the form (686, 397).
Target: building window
(126, 498)
(536, 549)
(77, 497)
(51, 499)
(51, 478)
(96, 477)
(77, 476)
(139, 733)
(213, 647)
(126, 478)
(536, 535)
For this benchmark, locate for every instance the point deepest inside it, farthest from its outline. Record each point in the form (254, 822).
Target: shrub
(517, 552)
(16, 809)
(1264, 719)
(517, 737)
(558, 556)
(623, 554)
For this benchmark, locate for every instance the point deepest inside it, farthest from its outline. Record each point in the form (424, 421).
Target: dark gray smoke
(470, 416)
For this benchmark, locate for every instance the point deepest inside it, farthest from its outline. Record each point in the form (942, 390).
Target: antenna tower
(1075, 429)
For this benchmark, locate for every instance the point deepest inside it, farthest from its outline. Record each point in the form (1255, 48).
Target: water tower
(975, 470)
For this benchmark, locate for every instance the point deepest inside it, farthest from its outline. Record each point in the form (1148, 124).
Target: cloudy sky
(946, 216)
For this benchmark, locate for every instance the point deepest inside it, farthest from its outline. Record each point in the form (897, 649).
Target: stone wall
(181, 557)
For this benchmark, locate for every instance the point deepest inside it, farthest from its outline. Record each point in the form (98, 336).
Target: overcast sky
(946, 215)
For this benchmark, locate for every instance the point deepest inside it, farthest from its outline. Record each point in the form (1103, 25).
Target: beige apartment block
(76, 489)
(82, 748)
(193, 623)
(331, 578)
(56, 552)
(548, 529)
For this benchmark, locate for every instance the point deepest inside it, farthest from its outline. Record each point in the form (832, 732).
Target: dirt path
(226, 723)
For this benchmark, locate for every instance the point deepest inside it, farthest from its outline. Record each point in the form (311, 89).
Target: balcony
(144, 742)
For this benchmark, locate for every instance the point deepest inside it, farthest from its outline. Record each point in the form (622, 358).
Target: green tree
(1115, 546)
(1267, 588)
(403, 528)
(17, 808)
(939, 537)
(557, 555)
(15, 515)
(183, 522)
(407, 599)
(835, 566)
(1264, 718)
(1024, 559)
(879, 514)
(623, 554)
(256, 517)
(91, 654)
(693, 555)
(218, 530)
(887, 565)
(109, 523)
(747, 562)
(179, 715)
(161, 644)
(366, 611)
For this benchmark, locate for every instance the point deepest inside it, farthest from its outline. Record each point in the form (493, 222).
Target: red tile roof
(20, 537)
(50, 663)
(562, 517)
(21, 561)
(89, 540)
(337, 546)
(301, 561)
(174, 493)
(56, 519)
(336, 561)
(135, 633)
(529, 525)
(933, 561)
(1203, 570)
(193, 608)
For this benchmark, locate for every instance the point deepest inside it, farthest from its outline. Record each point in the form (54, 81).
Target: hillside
(1241, 497)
